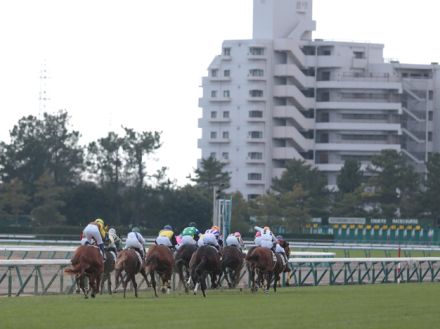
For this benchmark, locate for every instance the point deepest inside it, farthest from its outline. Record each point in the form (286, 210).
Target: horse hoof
(163, 290)
(266, 292)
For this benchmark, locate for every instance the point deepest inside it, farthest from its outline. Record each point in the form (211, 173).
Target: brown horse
(87, 262)
(206, 260)
(160, 260)
(181, 262)
(109, 267)
(130, 261)
(262, 261)
(232, 262)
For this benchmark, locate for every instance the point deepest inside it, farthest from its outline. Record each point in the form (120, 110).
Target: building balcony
(219, 120)
(291, 70)
(289, 132)
(343, 105)
(286, 153)
(255, 140)
(291, 91)
(356, 147)
(219, 99)
(360, 84)
(220, 141)
(291, 112)
(353, 126)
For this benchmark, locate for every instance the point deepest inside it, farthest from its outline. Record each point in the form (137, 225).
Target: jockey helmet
(258, 234)
(112, 231)
(266, 228)
(280, 237)
(99, 221)
(237, 234)
(168, 227)
(215, 227)
(136, 229)
(192, 224)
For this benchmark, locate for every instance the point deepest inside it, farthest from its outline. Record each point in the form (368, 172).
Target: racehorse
(181, 262)
(231, 263)
(160, 260)
(206, 260)
(130, 261)
(263, 262)
(109, 266)
(87, 262)
(285, 245)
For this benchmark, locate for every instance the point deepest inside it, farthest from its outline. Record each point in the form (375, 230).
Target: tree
(350, 176)
(430, 197)
(312, 182)
(13, 201)
(48, 201)
(395, 184)
(41, 146)
(211, 174)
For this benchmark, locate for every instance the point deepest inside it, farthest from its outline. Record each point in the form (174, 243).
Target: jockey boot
(101, 247)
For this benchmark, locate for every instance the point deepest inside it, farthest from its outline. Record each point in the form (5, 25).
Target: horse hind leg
(153, 283)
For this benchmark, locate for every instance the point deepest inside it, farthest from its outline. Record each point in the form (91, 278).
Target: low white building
(283, 95)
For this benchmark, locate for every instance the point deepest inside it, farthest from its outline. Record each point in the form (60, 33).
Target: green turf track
(344, 307)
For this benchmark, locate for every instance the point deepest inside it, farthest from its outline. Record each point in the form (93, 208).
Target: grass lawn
(369, 306)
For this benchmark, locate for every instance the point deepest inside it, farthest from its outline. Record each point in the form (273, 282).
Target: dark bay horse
(231, 263)
(160, 260)
(181, 262)
(205, 261)
(109, 267)
(129, 261)
(87, 262)
(263, 262)
(285, 245)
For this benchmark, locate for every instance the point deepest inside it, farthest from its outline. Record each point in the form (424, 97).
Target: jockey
(279, 249)
(95, 231)
(114, 241)
(268, 240)
(234, 239)
(257, 240)
(189, 235)
(211, 237)
(136, 241)
(166, 237)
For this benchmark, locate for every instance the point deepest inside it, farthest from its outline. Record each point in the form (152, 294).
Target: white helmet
(112, 231)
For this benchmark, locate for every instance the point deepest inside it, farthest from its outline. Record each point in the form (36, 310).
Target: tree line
(48, 179)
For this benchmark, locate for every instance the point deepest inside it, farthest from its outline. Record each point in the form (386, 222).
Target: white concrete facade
(283, 95)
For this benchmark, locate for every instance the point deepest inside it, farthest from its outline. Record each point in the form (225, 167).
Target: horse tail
(253, 257)
(151, 263)
(76, 269)
(120, 261)
(202, 264)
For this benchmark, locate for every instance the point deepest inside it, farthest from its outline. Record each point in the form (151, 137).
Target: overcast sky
(139, 63)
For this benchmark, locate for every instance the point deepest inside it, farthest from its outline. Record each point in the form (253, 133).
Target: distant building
(283, 95)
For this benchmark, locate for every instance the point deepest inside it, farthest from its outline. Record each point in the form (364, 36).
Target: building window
(255, 155)
(255, 114)
(214, 73)
(256, 93)
(256, 51)
(226, 51)
(225, 135)
(359, 54)
(227, 73)
(213, 114)
(255, 134)
(225, 156)
(213, 155)
(255, 176)
(213, 93)
(225, 114)
(256, 72)
(430, 136)
(430, 115)
(226, 93)
(213, 135)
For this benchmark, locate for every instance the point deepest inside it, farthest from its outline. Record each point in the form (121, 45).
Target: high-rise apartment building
(283, 95)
